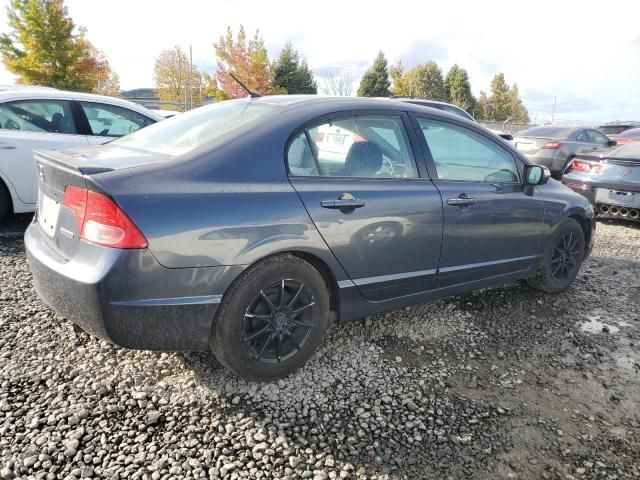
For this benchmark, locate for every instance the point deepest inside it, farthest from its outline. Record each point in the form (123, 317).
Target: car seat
(364, 159)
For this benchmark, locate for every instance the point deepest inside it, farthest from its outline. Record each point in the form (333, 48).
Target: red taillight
(553, 146)
(588, 167)
(101, 221)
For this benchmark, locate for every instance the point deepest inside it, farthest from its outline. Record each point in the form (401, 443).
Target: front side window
(113, 121)
(599, 138)
(49, 116)
(358, 146)
(461, 154)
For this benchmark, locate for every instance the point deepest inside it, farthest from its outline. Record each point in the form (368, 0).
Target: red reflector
(552, 146)
(101, 221)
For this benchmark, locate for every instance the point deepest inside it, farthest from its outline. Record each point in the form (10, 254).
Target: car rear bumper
(125, 296)
(607, 199)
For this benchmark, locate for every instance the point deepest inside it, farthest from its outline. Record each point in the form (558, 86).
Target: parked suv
(40, 117)
(235, 227)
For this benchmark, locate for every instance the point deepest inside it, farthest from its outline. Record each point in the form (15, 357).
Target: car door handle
(6, 146)
(345, 200)
(461, 200)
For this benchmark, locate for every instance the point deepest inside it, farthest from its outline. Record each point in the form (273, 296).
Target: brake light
(553, 146)
(99, 220)
(588, 167)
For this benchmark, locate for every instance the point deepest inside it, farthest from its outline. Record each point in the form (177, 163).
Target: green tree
(291, 75)
(500, 100)
(424, 81)
(458, 88)
(375, 81)
(245, 58)
(44, 47)
(482, 109)
(519, 113)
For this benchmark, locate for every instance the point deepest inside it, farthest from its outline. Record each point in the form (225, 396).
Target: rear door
(26, 125)
(493, 224)
(381, 217)
(105, 122)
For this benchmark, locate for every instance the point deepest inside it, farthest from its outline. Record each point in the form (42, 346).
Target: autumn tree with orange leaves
(247, 59)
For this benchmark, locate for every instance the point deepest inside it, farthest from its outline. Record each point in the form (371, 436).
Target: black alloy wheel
(278, 321)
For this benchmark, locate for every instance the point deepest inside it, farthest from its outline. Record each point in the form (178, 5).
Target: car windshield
(629, 151)
(613, 129)
(547, 132)
(188, 131)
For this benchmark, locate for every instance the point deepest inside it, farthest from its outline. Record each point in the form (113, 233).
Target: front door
(26, 125)
(493, 223)
(357, 178)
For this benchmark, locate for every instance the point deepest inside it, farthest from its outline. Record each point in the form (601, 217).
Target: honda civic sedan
(243, 228)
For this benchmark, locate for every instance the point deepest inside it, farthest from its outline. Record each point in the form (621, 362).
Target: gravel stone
(502, 383)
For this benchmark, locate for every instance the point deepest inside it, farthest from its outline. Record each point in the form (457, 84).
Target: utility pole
(553, 112)
(190, 78)
(180, 77)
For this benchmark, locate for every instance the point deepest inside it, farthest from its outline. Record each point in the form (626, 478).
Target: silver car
(554, 147)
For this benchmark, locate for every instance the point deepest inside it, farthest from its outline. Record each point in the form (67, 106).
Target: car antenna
(251, 94)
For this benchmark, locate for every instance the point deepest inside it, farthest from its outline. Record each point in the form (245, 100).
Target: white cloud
(578, 52)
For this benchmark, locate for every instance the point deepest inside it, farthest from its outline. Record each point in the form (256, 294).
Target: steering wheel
(500, 176)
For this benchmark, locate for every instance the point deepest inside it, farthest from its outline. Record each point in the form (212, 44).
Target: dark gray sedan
(554, 147)
(611, 181)
(249, 225)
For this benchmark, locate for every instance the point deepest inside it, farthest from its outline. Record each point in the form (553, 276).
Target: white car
(35, 118)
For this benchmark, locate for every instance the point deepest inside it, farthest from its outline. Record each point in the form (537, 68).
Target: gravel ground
(503, 383)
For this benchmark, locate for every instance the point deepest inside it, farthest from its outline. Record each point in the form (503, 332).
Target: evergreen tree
(291, 75)
(519, 113)
(500, 98)
(459, 88)
(375, 82)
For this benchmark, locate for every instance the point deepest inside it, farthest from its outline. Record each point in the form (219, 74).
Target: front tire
(562, 258)
(271, 319)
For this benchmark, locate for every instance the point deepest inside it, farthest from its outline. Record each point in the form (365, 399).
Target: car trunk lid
(532, 145)
(64, 171)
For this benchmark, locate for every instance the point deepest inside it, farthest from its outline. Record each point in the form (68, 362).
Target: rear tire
(4, 202)
(257, 333)
(562, 258)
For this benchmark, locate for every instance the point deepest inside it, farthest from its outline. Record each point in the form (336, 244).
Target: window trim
(413, 142)
(31, 132)
(518, 162)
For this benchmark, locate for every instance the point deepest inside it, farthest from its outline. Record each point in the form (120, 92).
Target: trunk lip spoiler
(55, 158)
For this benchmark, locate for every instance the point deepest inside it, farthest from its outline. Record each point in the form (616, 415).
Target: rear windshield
(186, 132)
(629, 151)
(613, 129)
(633, 133)
(547, 132)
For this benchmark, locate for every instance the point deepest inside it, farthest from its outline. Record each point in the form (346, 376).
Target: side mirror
(536, 175)
(612, 143)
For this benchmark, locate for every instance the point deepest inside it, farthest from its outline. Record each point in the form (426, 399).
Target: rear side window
(112, 120)
(358, 146)
(186, 132)
(50, 116)
(461, 154)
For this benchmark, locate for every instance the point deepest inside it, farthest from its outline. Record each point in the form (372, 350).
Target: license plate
(621, 196)
(48, 210)
(525, 147)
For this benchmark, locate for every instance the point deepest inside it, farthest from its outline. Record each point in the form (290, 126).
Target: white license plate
(525, 147)
(48, 210)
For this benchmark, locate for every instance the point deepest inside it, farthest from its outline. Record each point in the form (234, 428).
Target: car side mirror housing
(612, 143)
(536, 175)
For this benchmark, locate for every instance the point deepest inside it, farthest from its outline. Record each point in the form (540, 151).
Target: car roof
(621, 123)
(52, 94)
(330, 103)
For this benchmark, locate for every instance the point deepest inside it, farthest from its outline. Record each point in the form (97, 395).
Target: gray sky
(584, 53)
